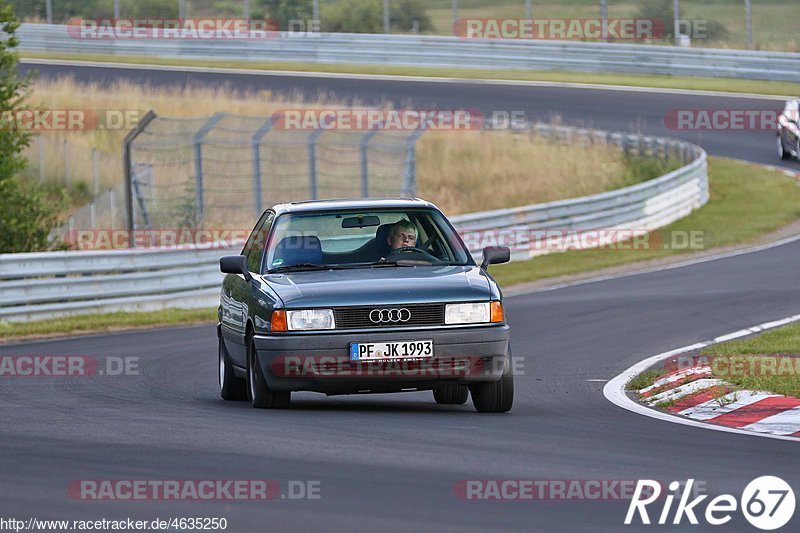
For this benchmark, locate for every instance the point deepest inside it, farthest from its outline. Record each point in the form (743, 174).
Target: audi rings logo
(383, 316)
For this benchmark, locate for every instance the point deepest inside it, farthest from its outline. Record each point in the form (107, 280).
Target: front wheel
(451, 395)
(260, 395)
(494, 397)
(230, 387)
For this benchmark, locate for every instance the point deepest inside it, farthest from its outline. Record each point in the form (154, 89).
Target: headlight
(310, 319)
(472, 313)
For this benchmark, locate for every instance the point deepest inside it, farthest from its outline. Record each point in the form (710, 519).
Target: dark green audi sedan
(362, 296)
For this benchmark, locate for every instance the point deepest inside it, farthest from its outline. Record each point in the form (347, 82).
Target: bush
(366, 16)
(26, 217)
(662, 10)
(282, 11)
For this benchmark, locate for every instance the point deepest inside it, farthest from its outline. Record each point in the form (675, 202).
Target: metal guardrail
(641, 207)
(51, 284)
(35, 286)
(436, 51)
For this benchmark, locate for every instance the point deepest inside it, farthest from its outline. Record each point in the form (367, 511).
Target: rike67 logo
(767, 502)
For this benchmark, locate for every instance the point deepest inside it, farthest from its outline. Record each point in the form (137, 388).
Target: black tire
(451, 394)
(781, 150)
(494, 397)
(230, 387)
(260, 395)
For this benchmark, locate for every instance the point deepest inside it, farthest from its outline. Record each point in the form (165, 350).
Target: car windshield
(353, 239)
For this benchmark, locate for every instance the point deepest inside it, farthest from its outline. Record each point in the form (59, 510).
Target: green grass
(105, 322)
(645, 379)
(746, 202)
(766, 362)
(741, 362)
(785, 339)
(624, 80)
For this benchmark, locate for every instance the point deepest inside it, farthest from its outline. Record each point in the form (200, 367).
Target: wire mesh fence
(95, 174)
(225, 169)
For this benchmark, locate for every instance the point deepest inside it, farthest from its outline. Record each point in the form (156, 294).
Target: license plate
(382, 351)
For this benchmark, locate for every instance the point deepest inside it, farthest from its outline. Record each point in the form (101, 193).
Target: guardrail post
(363, 149)
(95, 177)
(126, 170)
(255, 144)
(40, 145)
(198, 165)
(410, 175)
(67, 166)
(112, 207)
(312, 162)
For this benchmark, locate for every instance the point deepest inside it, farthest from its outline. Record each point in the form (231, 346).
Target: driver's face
(402, 238)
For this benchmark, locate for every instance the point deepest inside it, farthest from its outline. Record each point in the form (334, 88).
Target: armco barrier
(36, 286)
(435, 51)
(644, 206)
(51, 284)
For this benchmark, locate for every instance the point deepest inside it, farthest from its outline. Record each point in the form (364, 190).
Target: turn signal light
(278, 320)
(496, 311)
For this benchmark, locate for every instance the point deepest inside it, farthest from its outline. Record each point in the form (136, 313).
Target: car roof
(351, 203)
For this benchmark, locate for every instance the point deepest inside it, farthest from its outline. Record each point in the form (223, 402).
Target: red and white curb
(689, 393)
(704, 402)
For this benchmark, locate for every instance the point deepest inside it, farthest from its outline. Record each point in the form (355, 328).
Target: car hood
(377, 286)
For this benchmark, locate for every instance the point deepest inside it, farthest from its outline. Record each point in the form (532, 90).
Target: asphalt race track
(603, 109)
(390, 463)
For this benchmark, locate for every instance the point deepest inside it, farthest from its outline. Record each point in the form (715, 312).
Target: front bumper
(320, 362)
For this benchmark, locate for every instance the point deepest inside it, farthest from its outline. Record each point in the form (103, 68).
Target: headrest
(381, 239)
(297, 249)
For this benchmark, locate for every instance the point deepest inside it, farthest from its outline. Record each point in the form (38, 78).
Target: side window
(254, 248)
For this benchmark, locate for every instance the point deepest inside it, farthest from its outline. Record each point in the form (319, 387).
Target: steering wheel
(411, 253)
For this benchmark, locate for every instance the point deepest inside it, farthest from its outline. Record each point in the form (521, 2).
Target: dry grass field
(461, 171)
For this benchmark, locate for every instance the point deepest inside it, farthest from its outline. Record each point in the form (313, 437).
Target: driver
(403, 233)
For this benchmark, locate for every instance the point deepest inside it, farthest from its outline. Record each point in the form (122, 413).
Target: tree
(282, 11)
(366, 16)
(12, 96)
(26, 217)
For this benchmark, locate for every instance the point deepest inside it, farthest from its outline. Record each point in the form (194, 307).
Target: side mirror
(493, 255)
(235, 264)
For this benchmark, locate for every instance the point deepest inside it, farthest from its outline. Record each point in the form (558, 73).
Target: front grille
(358, 317)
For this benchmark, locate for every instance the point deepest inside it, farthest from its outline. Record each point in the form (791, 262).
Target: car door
(236, 298)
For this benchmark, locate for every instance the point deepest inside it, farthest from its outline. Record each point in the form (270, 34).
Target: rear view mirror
(361, 222)
(235, 264)
(493, 255)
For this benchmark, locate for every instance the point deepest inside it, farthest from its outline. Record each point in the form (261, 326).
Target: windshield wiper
(298, 267)
(377, 264)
